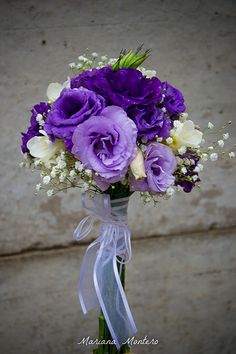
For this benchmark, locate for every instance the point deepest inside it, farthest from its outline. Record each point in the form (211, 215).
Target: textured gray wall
(193, 46)
(181, 288)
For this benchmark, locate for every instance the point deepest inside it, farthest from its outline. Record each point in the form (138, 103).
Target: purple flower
(173, 101)
(106, 144)
(124, 88)
(33, 129)
(72, 108)
(150, 121)
(160, 164)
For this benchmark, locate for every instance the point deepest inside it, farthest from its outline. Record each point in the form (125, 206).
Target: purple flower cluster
(33, 129)
(124, 88)
(101, 117)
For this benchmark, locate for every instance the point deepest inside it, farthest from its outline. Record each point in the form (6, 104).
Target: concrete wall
(181, 287)
(193, 46)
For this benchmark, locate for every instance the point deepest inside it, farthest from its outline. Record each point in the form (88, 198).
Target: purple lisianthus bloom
(33, 129)
(71, 108)
(160, 164)
(106, 144)
(124, 88)
(150, 121)
(173, 100)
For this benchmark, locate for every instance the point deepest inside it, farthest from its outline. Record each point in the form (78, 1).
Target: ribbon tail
(111, 297)
(86, 289)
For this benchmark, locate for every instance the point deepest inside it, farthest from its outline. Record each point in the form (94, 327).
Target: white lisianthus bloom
(54, 89)
(43, 148)
(185, 134)
(137, 166)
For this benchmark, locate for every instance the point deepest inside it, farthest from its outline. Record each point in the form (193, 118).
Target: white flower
(79, 166)
(53, 174)
(182, 150)
(194, 178)
(72, 173)
(50, 192)
(72, 65)
(169, 140)
(210, 125)
(94, 55)
(103, 58)
(62, 177)
(170, 191)
(21, 164)
(184, 170)
(88, 172)
(137, 165)
(204, 157)
(61, 164)
(210, 148)
(54, 89)
(185, 134)
(38, 187)
(46, 179)
(214, 156)
(231, 154)
(196, 169)
(226, 136)
(112, 61)
(192, 162)
(220, 143)
(82, 58)
(200, 166)
(149, 73)
(43, 148)
(39, 117)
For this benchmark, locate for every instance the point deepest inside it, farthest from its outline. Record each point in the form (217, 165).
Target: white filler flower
(137, 165)
(185, 134)
(43, 148)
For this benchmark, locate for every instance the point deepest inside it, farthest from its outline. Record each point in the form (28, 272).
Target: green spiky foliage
(131, 59)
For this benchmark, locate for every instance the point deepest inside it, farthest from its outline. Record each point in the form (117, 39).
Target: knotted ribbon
(100, 285)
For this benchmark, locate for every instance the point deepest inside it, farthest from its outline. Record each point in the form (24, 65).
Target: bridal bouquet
(111, 129)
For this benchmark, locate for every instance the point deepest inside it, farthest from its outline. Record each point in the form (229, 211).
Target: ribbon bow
(100, 285)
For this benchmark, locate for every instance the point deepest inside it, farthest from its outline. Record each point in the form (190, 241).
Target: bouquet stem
(104, 333)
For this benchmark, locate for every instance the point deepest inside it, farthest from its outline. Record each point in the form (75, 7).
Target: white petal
(137, 165)
(53, 91)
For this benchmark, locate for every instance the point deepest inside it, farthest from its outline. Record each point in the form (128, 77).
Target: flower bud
(137, 165)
